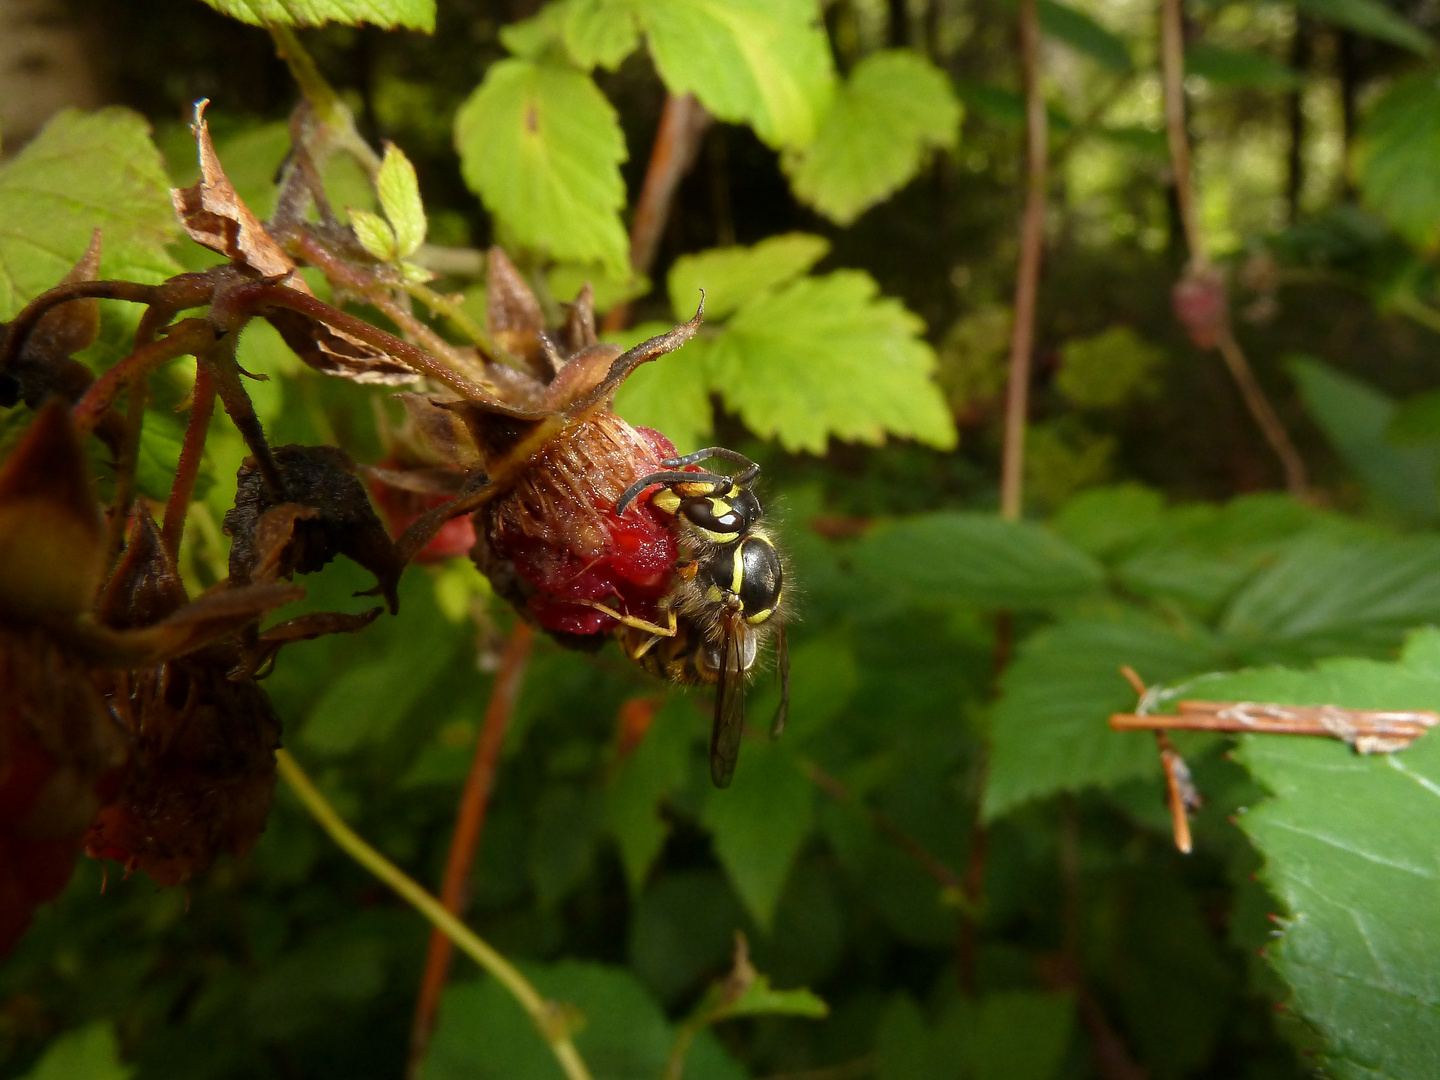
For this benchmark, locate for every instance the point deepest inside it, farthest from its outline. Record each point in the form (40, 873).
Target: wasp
(728, 597)
(688, 579)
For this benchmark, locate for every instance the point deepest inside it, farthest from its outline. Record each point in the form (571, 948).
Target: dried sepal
(44, 363)
(52, 540)
(513, 315)
(319, 479)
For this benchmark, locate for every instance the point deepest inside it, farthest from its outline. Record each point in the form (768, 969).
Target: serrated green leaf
(1337, 595)
(542, 147)
(537, 36)
(1349, 850)
(410, 14)
(758, 824)
(1239, 67)
(83, 171)
(967, 558)
(1371, 18)
(765, 63)
(1049, 729)
(399, 193)
(733, 276)
(599, 33)
(671, 395)
(1357, 419)
(374, 233)
(1081, 32)
(483, 1034)
(893, 109)
(1397, 158)
(88, 1053)
(827, 357)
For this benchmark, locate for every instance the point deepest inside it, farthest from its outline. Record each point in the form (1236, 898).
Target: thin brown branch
(1180, 794)
(469, 824)
(1238, 717)
(1211, 326)
(202, 408)
(183, 338)
(33, 312)
(1027, 279)
(683, 121)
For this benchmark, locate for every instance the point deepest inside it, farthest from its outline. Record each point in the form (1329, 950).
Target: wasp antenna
(670, 477)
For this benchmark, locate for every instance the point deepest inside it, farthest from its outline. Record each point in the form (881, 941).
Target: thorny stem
(31, 313)
(202, 408)
(1172, 55)
(469, 823)
(1027, 279)
(683, 121)
(544, 1014)
(186, 338)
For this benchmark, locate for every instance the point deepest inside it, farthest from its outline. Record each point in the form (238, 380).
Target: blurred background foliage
(949, 847)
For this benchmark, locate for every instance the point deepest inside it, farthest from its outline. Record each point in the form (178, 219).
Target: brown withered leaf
(214, 215)
(145, 587)
(52, 541)
(44, 365)
(318, 478)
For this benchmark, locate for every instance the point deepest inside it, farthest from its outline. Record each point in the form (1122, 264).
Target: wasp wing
(729, 707)
(782, 670)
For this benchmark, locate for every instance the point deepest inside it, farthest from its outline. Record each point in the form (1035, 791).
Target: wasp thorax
(747, 578)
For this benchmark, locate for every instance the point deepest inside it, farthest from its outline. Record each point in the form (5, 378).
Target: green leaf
(1022, 1035)
(952, 557)
(483, 1034)
(374, 233)
(671, 395)
(599, 33)
(1397, 158)
(1049, 730)
(761, 999)
(1348, 842)
(1224, 67)
(731, 277)
(567, 825)
(1083, 34)
(765, 63)
(399, 193)
(83, 171)
(1357, 419)
(410, 14)
(910, 1049)
(633, 801)
(893, 109)
(759, 823)
(1372, 18)
(1331, 594)
(542, 147)
(566, 279)
(826, 357)
(1416, 420)
(88, 1053)
(1108, 369)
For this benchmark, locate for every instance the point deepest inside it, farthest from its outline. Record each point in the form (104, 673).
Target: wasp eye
(714, 515)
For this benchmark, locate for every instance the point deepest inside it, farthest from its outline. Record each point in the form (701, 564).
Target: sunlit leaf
(83, 171)
(1049, 730)
(410, 14)
(826, 357)
(399, 193)
(542, 147)
(1348, 842)
(765, 63)
(374, 233)
(733, 276)
(893, 109)
(1397, 159)
(599, 32)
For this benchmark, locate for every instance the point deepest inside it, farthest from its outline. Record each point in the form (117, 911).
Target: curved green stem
(547, 1018)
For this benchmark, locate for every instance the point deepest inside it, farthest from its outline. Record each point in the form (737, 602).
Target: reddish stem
(202, 408)
(683, 121)
(469, 823)
(185, 337)
(33, 312)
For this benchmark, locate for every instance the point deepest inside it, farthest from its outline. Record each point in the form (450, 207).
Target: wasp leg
(643, 649)
(631, 620)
